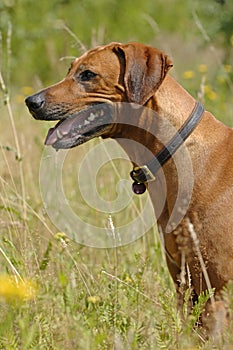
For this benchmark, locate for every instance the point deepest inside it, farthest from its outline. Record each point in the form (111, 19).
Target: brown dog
(199, 244)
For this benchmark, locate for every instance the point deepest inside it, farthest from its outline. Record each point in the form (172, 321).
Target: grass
(86, 298)
(57, 294)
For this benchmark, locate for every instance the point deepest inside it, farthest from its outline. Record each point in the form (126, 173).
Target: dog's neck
(173, 102)
(164, 114)
(172, 105)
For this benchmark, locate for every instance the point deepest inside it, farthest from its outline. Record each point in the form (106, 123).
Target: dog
(199, 243)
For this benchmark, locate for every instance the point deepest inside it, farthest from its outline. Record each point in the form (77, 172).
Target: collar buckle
(142, 174)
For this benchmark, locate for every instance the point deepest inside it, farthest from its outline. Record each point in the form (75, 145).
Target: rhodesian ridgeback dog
(199, 246)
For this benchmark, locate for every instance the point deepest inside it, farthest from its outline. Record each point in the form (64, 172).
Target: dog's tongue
(60, 130)
(51, 137)
(80, 122)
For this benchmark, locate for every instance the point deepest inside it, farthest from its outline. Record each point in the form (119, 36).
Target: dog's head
(83, 102)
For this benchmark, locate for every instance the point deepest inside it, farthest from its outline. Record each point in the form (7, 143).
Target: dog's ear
(145, 69)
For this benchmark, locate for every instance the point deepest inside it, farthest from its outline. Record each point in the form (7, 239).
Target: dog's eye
(87, 75)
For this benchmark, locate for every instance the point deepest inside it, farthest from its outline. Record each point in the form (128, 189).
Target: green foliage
(219, 19)
(89, 298)
(46, 257)
(40, 39)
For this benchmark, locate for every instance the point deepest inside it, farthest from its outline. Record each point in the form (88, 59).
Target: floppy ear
(145, 69)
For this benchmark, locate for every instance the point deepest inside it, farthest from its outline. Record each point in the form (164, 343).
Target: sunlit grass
(57, 294)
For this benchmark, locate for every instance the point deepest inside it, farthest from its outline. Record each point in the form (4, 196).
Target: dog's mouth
(81, 126)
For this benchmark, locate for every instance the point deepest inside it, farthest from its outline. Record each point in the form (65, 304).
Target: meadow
(56, 293)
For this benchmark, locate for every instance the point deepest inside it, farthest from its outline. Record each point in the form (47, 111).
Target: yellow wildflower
(221, 79)
(27, 90)
(210, 93)
(128, 279)
(61, 236)
(188, 74)
(227, 68)
(202, 68)
(94, 299)
(12, 289)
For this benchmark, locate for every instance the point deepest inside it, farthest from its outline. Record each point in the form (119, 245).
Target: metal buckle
(149, 175)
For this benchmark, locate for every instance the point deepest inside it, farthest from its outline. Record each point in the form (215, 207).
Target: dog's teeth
(101, 112)
(59, 135)
(91, 117)
(86, 122)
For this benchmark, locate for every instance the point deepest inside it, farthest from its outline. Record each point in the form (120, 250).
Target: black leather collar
(146, 173)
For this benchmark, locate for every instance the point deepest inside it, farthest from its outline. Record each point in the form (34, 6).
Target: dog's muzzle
(72, 129)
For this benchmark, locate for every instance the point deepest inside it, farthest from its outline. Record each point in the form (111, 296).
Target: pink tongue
(62, 129)
(51, 137)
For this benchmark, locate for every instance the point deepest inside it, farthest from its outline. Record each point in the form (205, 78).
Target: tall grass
(57, 294)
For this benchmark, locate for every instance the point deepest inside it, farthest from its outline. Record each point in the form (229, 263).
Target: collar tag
(138, 188)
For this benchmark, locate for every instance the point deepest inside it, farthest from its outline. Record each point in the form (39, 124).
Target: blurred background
(57, 294)
(196, 34)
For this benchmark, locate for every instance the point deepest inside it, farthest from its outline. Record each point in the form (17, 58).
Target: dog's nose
(35, 102)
